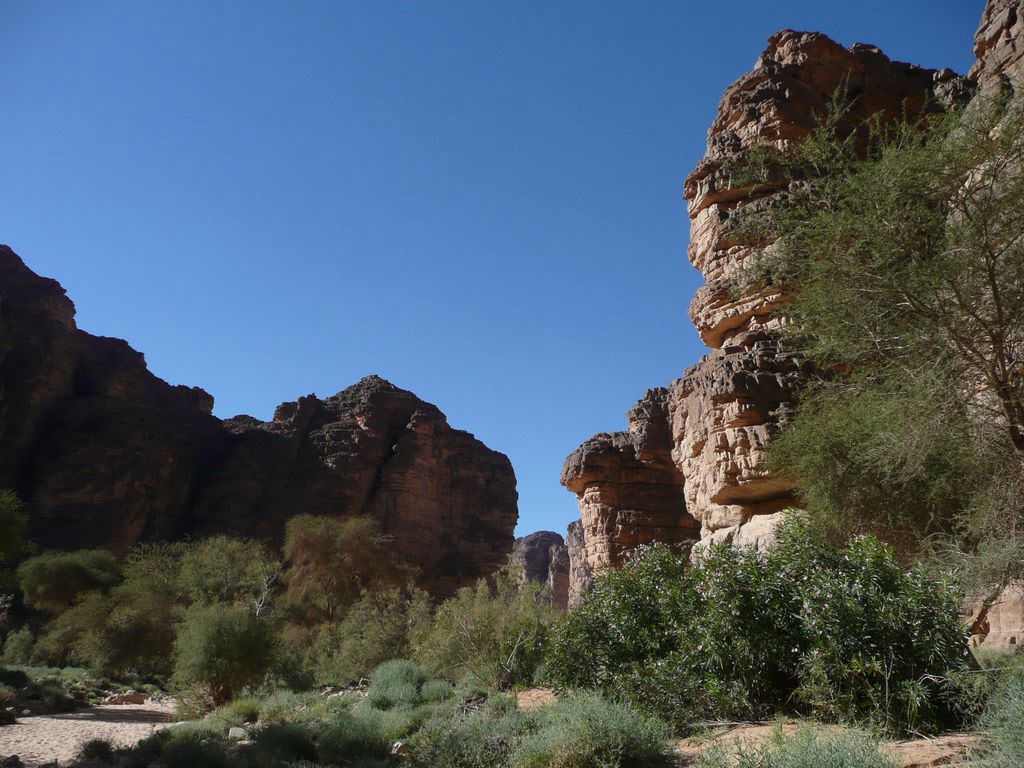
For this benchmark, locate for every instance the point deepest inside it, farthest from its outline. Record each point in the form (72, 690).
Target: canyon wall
(692, 464)
(543, 558)
(104, 453)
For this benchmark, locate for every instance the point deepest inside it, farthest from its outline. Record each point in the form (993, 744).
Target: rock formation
(542, 557)
(999, 46)
(104, 453)
(692, 462)
(580, 575)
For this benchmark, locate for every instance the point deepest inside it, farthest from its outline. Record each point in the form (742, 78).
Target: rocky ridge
(104, 453)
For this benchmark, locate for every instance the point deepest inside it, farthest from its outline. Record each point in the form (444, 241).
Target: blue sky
(480, 201)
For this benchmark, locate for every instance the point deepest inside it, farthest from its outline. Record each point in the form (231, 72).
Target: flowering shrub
(844, 633)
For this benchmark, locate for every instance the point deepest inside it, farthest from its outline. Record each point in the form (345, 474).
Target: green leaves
(845, 633)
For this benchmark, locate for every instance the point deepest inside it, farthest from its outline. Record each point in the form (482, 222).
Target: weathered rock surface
(630, 490)
(999, 624)
(694, 455)
(104, 453)
(580, 577)
(999, 46)
(542, 557)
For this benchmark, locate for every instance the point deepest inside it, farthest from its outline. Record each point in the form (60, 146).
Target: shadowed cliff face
(106, 454)
(542, 557)
(692, 463)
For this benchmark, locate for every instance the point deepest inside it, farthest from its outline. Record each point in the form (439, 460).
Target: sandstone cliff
(104, 453)
(694, 454)
(692, 463)
(542, 557)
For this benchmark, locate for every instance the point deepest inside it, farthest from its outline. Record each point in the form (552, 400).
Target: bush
(495, 633)
(396, 685)
(485, 738)
(588, 731)
(18, 647)
(285, 742)
(351, 737)
(98, 751)
(222, 649)
(376, 628)
(804, 749)
(53, 581)
(1003, 723)
(843, 633)
(578, 732)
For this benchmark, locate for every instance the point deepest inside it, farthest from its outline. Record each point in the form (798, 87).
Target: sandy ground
(44, 738)
(533, 698)
(946, 751)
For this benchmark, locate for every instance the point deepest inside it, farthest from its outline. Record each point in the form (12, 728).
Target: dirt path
(45, 738)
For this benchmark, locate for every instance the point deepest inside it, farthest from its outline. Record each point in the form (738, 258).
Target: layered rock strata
(543, 558)
(693, 460)
(580, 576)
(104, 453)
(999, 46)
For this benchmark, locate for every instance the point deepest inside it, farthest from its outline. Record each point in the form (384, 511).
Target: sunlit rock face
(104, 453)
(692, 464)
(999, 46)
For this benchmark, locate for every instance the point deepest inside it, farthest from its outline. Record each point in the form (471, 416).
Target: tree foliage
(494, 633)
(331, 562)
(900, 247)
(54, 580)
(223, 649)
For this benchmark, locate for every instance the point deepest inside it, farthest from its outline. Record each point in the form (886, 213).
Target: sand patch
(44, 738)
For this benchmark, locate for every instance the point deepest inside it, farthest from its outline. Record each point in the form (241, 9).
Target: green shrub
(843, 633)
(194, 749)
(18, 647)
(223, 649)
(98, 751)
(485, 738)
(350, 737)
(53, 581)
(285, 742)
(495, 632)
(576, 732)
(435, 691)
(590, 732)
(396, 684)
(1003, 723)
(376, 628)
(804, 749)
(284, 705)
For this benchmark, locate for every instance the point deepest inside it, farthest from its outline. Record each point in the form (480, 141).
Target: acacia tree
(902, 251)
(331, 562)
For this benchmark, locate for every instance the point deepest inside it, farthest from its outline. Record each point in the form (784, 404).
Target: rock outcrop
(999, 46)
(543, 558)
(693, 460)
(580, 576)
(630, 490)
(104, 453)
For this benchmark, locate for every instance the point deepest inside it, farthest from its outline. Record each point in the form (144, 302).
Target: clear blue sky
(480, 201)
